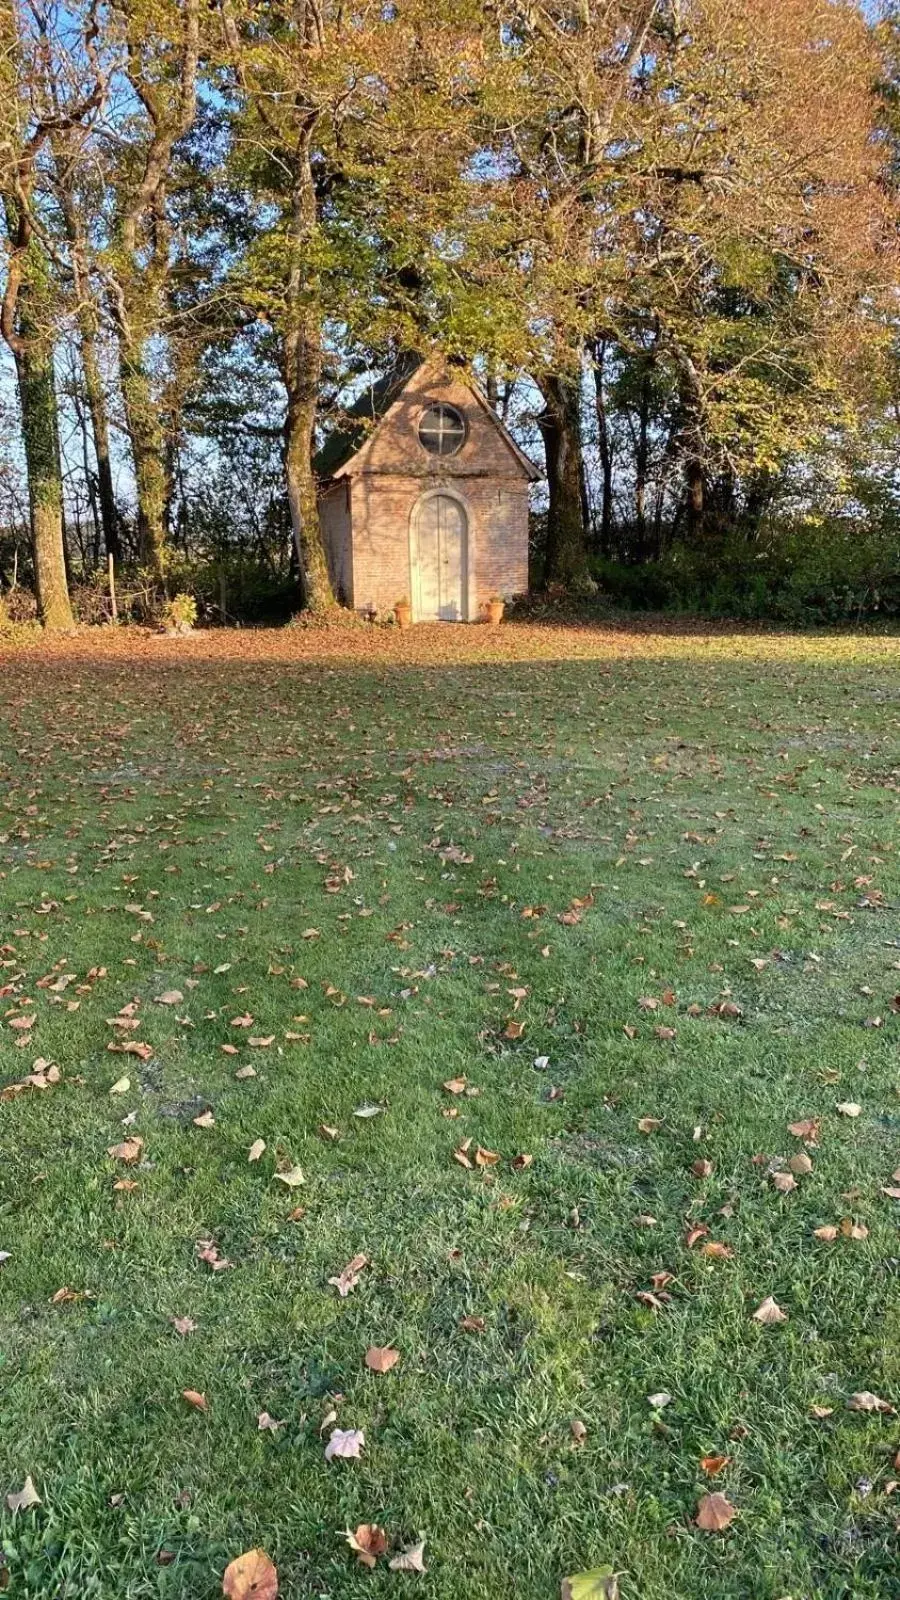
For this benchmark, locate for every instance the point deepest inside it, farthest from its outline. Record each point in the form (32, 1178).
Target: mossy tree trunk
(144, 421)
(27, 330)
(40, 430)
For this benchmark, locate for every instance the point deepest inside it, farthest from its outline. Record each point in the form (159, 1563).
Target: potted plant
(403, 613)
(495, 610)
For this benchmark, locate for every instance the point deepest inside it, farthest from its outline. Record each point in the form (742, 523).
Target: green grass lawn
(514, 872)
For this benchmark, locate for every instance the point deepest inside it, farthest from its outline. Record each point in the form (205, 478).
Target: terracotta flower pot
(403, 613)
(495, 612)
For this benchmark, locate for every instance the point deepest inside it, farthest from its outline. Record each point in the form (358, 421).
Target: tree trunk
(37, 396)
(758, 492)
(301, 371)
(91, 559)
(95, 395)
(302, 367)
(694, 497)
(94, 390)
(692, 450)
(25, 330)
(641, 460)
(605, 447)
(145, 431)
(560, 424)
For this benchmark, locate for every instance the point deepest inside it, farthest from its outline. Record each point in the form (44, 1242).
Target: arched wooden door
(439, 559)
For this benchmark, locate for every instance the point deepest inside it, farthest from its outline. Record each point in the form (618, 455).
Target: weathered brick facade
(373, 503)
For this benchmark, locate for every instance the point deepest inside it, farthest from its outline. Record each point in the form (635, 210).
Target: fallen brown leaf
(209, 1252)
(769, 1312)
(714, 1513)
(461, 1154)
(380, 1358)
(651, 1301)
(808, 1129)
(65, 1296)
(251, 1576)
(369, 1542)
(132, 1047)
(865, 1400)
(128, 1151)
(349, 1277)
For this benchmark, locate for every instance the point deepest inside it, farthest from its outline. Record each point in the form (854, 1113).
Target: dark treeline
(663, 234)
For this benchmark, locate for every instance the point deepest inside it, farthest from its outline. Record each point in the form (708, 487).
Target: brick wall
(381, 510)
(334, 520)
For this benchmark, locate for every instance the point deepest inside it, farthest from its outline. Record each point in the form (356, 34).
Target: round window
(442, 430)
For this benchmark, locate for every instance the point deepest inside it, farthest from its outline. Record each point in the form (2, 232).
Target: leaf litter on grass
(720, 945)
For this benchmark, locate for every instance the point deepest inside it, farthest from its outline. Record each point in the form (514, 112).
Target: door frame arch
(467, 555)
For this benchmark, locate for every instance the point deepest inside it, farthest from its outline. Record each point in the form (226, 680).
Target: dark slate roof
(370, 407)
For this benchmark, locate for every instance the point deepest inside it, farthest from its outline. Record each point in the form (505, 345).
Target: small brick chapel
(424, 496)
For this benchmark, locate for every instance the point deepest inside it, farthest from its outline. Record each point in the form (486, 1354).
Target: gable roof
(364, 416)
